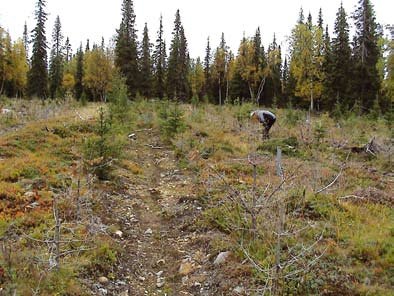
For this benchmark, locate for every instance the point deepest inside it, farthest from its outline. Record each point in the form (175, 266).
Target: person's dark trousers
(268, 123)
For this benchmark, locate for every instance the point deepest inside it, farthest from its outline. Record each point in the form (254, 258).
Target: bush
(119, 104)
(242, 112)
(319, 131)
(171, 120)
(102, 149)
(293, 116)
(104, 257)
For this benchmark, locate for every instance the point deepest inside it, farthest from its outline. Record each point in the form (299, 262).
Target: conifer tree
(159, 63)
(260, 62)
(273, 72)
(327, 65)
(178, 63)
(146, 65)
(318, 75)
(26, 40)
(301, 17)
(320, 19)
(184, 59)
(37, 83)
(286, 91)
(78, 87)
(56, 60)
(207, 70)
(259, 54)
(340, 63)
(68, 50)
(126, 55)
(309, 22)
(365, 56)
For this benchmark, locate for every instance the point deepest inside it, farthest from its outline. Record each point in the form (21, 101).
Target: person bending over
(266, 118)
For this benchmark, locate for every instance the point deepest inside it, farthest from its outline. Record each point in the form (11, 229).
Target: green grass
(358, 236)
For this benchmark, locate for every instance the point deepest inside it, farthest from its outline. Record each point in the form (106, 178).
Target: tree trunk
(251, 91)
(2, 87)
(227, 86)
(311, 107)
(220, 92)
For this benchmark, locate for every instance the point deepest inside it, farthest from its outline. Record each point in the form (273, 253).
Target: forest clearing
(145, 202)
(128, 167)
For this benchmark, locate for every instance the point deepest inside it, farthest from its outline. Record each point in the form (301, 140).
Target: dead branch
(79, 115)
(351, 196)
(336, 178)
(154, 147)
(82, 249)
(233, 193)
(143, 130)
(267, 272)
(282, 183)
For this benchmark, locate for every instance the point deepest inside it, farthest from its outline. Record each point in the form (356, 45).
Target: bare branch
(76, 250)
(154, 147)
(336, 178)
(351, 196)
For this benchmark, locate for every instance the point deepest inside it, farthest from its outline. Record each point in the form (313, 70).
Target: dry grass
(40, 150)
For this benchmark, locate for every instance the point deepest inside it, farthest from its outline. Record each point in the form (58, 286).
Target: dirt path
(163, 253)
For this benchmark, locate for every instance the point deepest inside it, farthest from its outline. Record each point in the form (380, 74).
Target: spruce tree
(207, 70)
(79, 74)
(273, 87)
(258, 50)
(309, 22)
(37, 78)
(340, 63)
(327, 65)
(260, 60)
(159, 63)
(184, 64)
(173, 60)
(56, 60)
(301, 17)
(146, 65)
(366, 81)
(126, 55)
(68, 50)
(286, 91)
(320, 19)
(26, 40)
(178, 63)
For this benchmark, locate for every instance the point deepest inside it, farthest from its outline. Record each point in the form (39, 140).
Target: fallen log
(371, 148)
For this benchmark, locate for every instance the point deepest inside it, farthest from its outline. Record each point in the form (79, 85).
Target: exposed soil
(163, 252)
